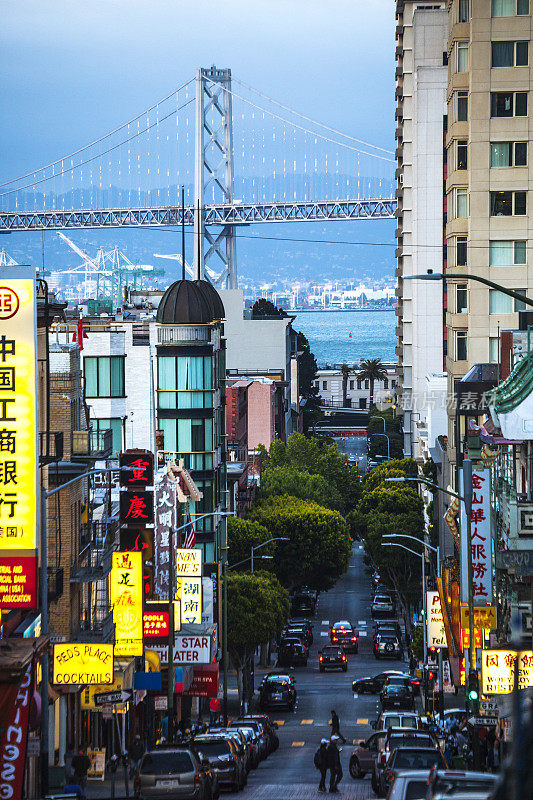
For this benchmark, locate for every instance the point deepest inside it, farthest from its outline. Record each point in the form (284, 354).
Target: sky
(73, 70)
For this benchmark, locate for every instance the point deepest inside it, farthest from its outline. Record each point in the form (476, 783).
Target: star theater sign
(18, 439)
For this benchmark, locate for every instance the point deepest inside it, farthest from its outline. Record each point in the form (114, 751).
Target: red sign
(136, 508)
(155, 624)
(14, 718)
(204, 681)
(18, 582)
(139, 470)
(347, 434)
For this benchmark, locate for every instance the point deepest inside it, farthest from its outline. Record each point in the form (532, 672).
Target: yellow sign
(80, 664)
(189, 563)
(484, 617)
(18, 412)
(497, 670)
(126, 598)
(189, 592)
(87, 695)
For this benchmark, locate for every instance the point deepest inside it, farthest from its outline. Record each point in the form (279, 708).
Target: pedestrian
(333, 763)
(413, 664)
(335, 726)
(214, 710)
(80, 764)
(136, 752)
(321, 763)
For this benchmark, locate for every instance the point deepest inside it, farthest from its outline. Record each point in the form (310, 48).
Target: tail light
(137, 782)
(196, 780)
(321, 658)
(335, 638)
(383, 758)
(354, 638)
(344, 658)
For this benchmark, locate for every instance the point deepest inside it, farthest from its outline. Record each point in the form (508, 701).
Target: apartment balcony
(398, 172)
(399, 31)
(398, 193)
(91, 445)
(398, 114)
(183, 334)
(94, 560)
(398, 53)
(398, 94)
(398, 153)
(50, 447)
(100, 629)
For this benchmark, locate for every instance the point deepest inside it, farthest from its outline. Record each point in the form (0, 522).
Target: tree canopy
(319, 547)
(300, 483)
(243, 534)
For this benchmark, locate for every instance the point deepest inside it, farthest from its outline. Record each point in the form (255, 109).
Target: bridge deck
(237, 214)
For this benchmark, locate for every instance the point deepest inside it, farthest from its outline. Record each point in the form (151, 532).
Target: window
(510, 8)
(184, 382)
(393, 385)
(463, 11)
(462, 56)
(461, 203)
(507, 253)
(386, 383)
(324, 384)
(461, 298)
(191, 438)
(461, 251)
(358, 383)
(462, 106)
(99, 427)
(508, 154)
(461, 349)
(509, 54)
(352, 384)
(462, 154)
(367, 385)
(500, 303)
(362, 402)
(507, 204)
(104, 376)
(508, 104)
(494, 350)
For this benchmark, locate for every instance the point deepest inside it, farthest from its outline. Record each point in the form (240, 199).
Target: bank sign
(18, 437)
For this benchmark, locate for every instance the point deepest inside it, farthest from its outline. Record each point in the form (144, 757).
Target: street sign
(110, 698)
(480, 722)
(490, 708)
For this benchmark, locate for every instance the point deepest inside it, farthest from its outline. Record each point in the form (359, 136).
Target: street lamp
(439, 276)
(257, 546)
(375, 416)
(388, 442)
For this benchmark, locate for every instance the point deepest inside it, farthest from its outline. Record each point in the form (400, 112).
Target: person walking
(321, 763)
(136, 753)
(333, 763)
(214, 710)
(335, 726)
(80, 764)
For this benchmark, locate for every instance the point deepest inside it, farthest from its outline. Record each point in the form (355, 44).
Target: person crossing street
(321, 764)
(335, 726)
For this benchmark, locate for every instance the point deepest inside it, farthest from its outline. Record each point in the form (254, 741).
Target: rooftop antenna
(182, 233)
(198, 243)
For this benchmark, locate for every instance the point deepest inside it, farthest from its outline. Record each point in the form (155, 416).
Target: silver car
(172, 773)
(382, 604)
(409, 785)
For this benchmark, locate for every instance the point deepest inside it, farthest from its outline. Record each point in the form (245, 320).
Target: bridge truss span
(235, 214)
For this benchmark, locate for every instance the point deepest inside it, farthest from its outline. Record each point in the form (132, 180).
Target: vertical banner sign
(14, 719)
(481, 541)
(189, 593)
(165, 521)
(436, 634)
(126, 598)
(18, 433)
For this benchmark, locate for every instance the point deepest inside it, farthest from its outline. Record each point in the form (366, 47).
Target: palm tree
(372, 369)
(346, 371)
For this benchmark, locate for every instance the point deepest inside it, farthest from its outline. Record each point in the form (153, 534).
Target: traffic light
(473, 691)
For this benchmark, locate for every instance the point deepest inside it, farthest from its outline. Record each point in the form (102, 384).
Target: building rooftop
(189, 303)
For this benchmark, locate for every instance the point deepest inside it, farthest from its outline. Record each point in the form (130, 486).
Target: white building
(329, 382)
(422, 76)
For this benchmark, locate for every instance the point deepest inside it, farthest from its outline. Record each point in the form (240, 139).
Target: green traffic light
(473, 695)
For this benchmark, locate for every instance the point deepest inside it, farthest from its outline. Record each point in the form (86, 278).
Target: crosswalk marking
(279, 721)
(325, 622)
(363, 633)
(361, 721)
(298, 744)
(306, 722)
(362, 622)
(323, 633)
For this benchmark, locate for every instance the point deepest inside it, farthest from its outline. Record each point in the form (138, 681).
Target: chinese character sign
(137, 469)
(18, 412)
(155, 624)
(136, 508)
(481, 541)
(189, 592)
(126, 598)
(497, 670)
(165, 515)
(436, 634)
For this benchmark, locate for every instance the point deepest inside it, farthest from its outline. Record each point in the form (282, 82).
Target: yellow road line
(298, 744)
(361, 721)
(306, 722)
(279, 721)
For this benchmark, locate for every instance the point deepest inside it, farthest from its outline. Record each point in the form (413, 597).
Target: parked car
(269, 728)
(450, 783)
(303, 601)
(409, 785)
(397, 719)
(397, 697)
(409, 758)
(342, 633)
(387, 645)
(399, 737)
(245, 740)
(388, 626)
(373, 685)
(277, 690)
(332, 657)
(303, 630)
(292, 652)
(225, 758)
(260, 738)
(174, 773)
(382, 604)
(364, 754)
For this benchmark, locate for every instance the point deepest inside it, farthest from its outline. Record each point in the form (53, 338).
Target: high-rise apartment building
(489, 225)
(421, 78)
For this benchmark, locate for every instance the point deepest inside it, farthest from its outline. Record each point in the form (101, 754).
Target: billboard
(126, 598)
(481, 540)
(79, 664)
(436, 634)
(498, 667)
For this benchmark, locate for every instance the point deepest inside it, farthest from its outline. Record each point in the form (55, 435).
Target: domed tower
(191, 371)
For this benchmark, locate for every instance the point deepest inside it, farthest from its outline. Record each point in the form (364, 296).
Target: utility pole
(170, 687)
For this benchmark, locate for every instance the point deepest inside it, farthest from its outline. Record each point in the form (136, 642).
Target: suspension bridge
(215, 154)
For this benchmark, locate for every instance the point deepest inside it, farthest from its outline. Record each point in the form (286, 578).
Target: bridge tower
(213, 173)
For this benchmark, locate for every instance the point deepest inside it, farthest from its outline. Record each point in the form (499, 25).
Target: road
(289, 774)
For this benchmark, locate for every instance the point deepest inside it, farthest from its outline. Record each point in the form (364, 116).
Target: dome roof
(211, 294)
(185, 303)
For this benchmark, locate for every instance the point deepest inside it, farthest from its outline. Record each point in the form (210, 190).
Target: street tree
(346, 372)
(372, 370)
(300, 483)
(319, 547)
(243, 534)
(258, 607)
